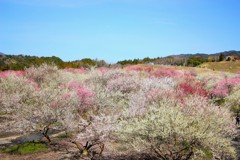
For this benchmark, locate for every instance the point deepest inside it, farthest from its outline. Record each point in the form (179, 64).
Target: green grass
(208, 154)
(26, 148)
(2, 113)
(65, 135)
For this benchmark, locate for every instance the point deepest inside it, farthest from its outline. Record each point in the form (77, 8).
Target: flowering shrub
(165, 83)
(192, 88)
(17, 96)
(4, 74)
(139, 68)
(225, 86)
(41, 73)
(75, 70)
(15, 92)
(102, 70)
(164, 72)
(83, 94)
(123, 84)
(189, 73)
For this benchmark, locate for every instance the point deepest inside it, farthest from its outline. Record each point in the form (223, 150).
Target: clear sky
(118, 29)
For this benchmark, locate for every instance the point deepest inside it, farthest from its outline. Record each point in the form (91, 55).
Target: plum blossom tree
(166, 72)
(171, 130)
(140, 68)
(43, 73)
(232, 101)
(16, 93)
(193, 88)
(40, 100)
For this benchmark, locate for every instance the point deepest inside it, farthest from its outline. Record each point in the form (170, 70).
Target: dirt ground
(58, 151)
(38, 156)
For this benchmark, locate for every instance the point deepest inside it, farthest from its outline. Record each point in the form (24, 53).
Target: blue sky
(118, 29)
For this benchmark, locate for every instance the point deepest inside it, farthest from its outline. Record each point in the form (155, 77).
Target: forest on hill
(19, 62)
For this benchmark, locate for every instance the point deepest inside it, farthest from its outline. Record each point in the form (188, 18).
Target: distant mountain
(204, 55)
(191, 55)
(228, 53)
(2, 54)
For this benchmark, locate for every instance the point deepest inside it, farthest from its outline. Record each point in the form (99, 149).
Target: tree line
(192, 60)
(19, 62)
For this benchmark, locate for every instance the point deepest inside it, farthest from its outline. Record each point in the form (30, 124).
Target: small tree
(221, 57)
(210, 59)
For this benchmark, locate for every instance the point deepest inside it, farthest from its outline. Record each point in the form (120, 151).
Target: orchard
(159, 112)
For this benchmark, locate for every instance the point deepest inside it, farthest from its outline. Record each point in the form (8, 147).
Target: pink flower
(165, 72)
(193, 88)
(83, 94)
(139, 68)
(53, 105)
(102, 70)
(67, 96)
(4, 74)
(224, 87)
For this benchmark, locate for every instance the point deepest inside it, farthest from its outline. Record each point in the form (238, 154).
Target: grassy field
(194, 69)
(225, 66)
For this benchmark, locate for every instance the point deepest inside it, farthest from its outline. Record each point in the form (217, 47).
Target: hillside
(19, 62)
(226, 66)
